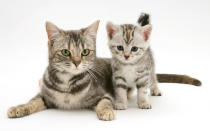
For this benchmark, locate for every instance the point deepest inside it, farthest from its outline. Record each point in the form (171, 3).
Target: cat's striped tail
(174, 78)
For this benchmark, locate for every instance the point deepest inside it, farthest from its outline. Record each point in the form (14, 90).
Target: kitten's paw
(16, 112)
(120, 106)
(156, 92)
(106, 115)
(145, 106)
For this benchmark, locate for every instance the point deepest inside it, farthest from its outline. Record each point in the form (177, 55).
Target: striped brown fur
(73, 79)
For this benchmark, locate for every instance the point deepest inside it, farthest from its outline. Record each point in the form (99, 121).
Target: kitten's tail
(144, 19)
(174, 78)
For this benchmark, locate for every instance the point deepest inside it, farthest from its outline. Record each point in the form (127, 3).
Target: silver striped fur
(132, 69)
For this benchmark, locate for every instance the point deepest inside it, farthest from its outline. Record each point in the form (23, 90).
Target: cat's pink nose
(77, 63)
(126, 56)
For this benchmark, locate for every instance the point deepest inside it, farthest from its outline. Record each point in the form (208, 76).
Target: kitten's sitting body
(132, 62)
(140, 74)
(75, 77)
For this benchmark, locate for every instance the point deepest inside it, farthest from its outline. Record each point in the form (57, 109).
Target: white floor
(179, 108)
(180, 41)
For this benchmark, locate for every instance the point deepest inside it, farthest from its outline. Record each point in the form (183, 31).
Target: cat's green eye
(65, 52)
(85, 52)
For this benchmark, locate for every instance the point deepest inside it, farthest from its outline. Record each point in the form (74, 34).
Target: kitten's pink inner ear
(52, 30)
(147, 31)
(110, 30)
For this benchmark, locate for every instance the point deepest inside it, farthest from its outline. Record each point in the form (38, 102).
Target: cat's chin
(76, 71)
(128, 61)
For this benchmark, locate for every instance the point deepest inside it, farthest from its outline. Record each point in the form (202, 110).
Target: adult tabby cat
(133, 64)
(75, 77)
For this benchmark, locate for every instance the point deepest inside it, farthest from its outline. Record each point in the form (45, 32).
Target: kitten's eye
(120, 48)
(65, 52)
(85, 52)
(134, 48)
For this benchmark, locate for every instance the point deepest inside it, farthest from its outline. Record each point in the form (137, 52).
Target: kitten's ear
(53, 31)
(92, 29)
(146, 31)
(111, 29)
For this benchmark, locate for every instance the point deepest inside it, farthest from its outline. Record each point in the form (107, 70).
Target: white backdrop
(180, 42)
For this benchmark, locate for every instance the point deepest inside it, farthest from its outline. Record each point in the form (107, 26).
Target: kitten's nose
(126, 56)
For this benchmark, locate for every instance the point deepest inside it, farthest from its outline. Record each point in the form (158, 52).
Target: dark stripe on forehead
(76, 38)
(128, 32)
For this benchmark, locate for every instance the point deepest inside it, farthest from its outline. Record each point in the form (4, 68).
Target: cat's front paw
(120, 106)
(16, 112)
(106, 115)
(145, 105)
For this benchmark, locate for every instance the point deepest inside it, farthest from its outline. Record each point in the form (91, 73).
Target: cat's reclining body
(75, 78)
(77, 91)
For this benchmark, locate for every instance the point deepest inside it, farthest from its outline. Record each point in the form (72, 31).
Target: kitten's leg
(143, 98)
(104, 110)
(155, 91)
(34, 105)
(121, 102)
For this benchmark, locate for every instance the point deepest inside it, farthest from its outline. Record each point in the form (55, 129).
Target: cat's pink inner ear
(147, 31)
(52, 30)
(110, 30)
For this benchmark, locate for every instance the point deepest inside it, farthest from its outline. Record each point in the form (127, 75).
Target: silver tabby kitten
(75, 77)
(133, 64)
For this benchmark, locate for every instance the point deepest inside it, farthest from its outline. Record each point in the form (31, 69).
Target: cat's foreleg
(104, 109)
(34, 105)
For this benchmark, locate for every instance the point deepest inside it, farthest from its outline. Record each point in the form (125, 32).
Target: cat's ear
(146, 31)
(111, 29)
(53, 32)
(92, 29)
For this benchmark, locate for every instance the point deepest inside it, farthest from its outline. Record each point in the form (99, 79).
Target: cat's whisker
(96, 79)
(97, 71)
(91, 74)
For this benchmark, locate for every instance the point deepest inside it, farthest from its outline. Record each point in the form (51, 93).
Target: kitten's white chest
(129, 73)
